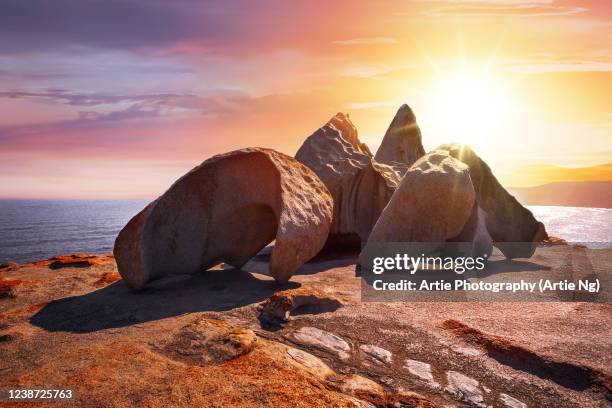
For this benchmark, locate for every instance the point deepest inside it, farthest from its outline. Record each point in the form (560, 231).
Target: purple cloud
(30, 25)
(123, 107)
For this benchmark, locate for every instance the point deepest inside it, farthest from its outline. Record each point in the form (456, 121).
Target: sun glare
(467, 108)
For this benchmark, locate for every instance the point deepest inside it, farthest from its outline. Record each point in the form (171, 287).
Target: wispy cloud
(109, 109)
(374, 104)
(365, 71)
(366, 41)
(502, 10)
(492, 1)
(557, 66)
(214, 102)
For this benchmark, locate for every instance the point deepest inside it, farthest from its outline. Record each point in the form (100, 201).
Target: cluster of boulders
(335, 193)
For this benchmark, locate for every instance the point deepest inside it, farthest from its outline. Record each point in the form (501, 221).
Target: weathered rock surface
(511, 402)
(226, 210)
(10, 266)
(467, 351)
(550, 241)
(360, 186)
(465, 388)
(401, 145)
(419, 368)
(568, 373)
(409, 399)
(111, 346)
(377, 354)
(8, 287)
(512, 226)
(75, 261)
(324, 340)
(209, 341)
(432, 203)
(361, 388)
(312, 364)
(342, 122)
(107, 278)
(278, 307)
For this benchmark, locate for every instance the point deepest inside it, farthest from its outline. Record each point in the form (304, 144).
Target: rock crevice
(360, 186)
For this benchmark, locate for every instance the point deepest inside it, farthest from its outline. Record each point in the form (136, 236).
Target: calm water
(39, 229)
(577, 224)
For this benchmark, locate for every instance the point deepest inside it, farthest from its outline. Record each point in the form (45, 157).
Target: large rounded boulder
(514, 229)
(432, 203)
(226, 210)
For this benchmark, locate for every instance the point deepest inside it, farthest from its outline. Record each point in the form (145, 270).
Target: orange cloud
(366, 41)
(521, 10)
(79, 98)
(539, 174)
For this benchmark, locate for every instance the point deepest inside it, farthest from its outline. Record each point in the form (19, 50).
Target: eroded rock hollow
(226, 210)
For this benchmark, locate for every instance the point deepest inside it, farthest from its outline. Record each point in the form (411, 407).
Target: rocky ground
(228, 338)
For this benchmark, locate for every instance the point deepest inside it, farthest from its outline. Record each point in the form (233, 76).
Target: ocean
(39, 229)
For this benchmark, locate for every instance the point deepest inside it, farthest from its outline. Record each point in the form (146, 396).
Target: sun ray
(495, 50)
(430, 62)
(461, 60)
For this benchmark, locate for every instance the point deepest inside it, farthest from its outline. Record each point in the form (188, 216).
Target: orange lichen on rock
(210, 341)
(361, 388)
(107, 278)
(7, 286)
(133, 374)
(74, 260)
(551, 241)
(409, 399)
(9, 266)
(279, 307)
(35, 308)
(24, 310)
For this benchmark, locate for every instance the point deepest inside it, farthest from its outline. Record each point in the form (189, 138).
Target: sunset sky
(118, 98)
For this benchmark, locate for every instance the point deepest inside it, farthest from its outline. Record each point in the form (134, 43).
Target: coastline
(42, 233)
(79, 326)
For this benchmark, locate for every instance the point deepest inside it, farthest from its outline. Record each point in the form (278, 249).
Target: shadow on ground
(326, 259)
(117, 306)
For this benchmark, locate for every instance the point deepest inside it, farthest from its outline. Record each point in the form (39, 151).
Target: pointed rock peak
(405, 115)
(343, 124)
(359, 186)
(402, 144)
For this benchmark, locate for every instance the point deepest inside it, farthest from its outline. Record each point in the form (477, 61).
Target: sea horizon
(37, 229)
(148, 200)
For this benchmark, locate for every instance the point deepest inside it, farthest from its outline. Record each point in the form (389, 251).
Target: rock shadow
(324, 260)
(117, 306)
(565, 373)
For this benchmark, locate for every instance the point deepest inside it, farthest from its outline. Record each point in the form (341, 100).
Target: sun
(467, 108)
